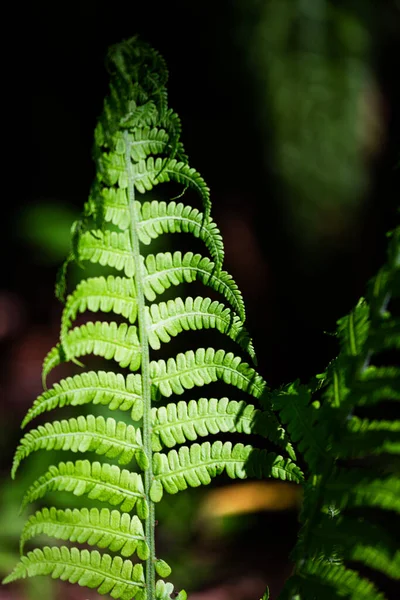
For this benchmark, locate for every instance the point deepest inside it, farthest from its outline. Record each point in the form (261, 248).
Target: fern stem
(145, 370)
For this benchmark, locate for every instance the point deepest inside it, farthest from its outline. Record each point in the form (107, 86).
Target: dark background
(54, 84)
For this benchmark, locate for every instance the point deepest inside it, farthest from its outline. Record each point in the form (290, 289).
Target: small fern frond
(150, 172)
(356, 540)
(99, 481)
(157, 218)
(168, 319)
(327, 580)
(375, 384)
(114, 576)
(105, 528)
(105, 388)
(198, 464)
(53, 358)
(199, 368)
(366, 437)
(301, 417)
(109, 249)
(111, 294)
(383, 556)
(147, 141)
(106, 437)
(175, 424)
(166, 269)
(351, 488)
(109, 340)
(353, 329)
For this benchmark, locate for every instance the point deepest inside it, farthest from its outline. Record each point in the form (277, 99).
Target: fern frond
(351, 488)
(107, 437)
(136, 147)
(355, 539)
(114, 576)
(166, 269)
(382, 556)
(198, 464)
(198, 368)
(111, 294)
(329, 580)
(107, 529)
(296, 411)
(104, 482)
(106, 388)
(157, 218)
(150, 172)
(109, 205)
(365, 437)
(109, 340)
(340, 500)
(353, 329)
(375, 384)
(168, 319)
(177, 423)
(140, 116)
(147, 141)
(53, 358)
(109, 249)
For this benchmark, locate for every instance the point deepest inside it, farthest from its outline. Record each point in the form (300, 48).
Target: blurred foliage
(45, 227)
(311, 64)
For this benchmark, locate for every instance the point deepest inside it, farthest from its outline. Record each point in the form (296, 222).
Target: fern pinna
(348, 544)
(137, 146)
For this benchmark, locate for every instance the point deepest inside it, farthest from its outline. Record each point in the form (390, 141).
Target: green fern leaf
(159, 217)
(104, 482)
(107, 529)
(375, 384)
(147, 141)
(150, 172)
(353, 329)
(202, 367)
(365, 437)
(301, 418)
(114, 576)
(114, 294)
(107, 437)
(177, 423)
(109, 340)
(328, 580)
(110, 205)
(106, 388)
(108, 248)
(165, 269)
(356, 488)
(355, 539)
(53, 358)
(168, 319)
(198, 464)
(382, 557)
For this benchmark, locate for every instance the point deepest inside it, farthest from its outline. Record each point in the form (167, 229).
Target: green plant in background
(344, 423)
(137, 146)
(310, 60)
(350, 439)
